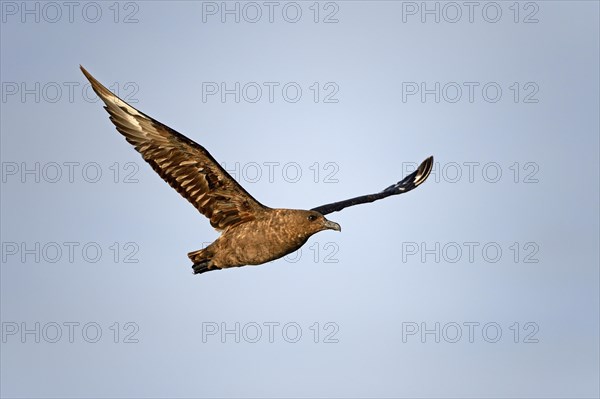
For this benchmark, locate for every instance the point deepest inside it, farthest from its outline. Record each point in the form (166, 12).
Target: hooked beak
(332, 225)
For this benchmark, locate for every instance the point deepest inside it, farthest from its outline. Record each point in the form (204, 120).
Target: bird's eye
(312, 218)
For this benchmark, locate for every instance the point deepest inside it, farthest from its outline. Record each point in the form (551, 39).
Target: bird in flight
(251, 233)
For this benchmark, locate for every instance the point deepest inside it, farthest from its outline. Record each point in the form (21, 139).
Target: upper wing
(410, 182)
(182, 163)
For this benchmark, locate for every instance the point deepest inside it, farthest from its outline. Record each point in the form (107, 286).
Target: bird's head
(312, 222)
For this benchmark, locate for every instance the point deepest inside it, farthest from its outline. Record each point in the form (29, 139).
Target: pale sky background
(502, 238)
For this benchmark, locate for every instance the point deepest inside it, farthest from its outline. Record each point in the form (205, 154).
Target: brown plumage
(251, 232)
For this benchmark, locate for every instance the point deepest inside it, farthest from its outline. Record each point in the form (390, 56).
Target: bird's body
(273, 234)
(251, 233)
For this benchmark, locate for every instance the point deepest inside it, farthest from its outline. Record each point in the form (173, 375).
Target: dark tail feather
(202, 261)
(201, 267)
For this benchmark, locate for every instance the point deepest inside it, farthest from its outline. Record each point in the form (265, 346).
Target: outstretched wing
(182, 163)
(410, 182)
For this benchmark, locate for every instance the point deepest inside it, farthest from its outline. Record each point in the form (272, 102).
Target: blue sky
(495, 256)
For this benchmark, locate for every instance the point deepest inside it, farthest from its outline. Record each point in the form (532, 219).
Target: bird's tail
(202, 260)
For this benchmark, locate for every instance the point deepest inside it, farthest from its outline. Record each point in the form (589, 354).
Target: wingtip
(86, 73)
(424, 170)
(98, 87)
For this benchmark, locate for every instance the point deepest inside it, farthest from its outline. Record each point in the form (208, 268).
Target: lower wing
(410, 182)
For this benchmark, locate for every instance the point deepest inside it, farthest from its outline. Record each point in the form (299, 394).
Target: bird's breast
(257, 242)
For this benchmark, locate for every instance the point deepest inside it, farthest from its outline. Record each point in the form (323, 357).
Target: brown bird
(251, 233)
